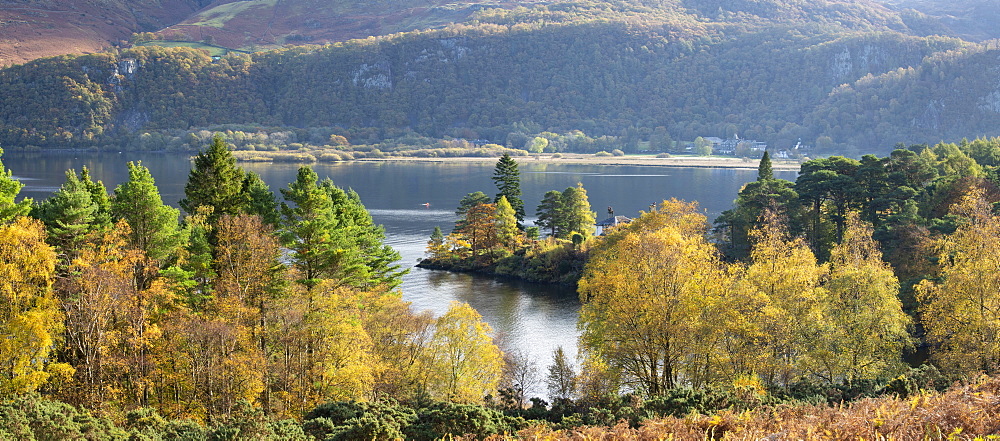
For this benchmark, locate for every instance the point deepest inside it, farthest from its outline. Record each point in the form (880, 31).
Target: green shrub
(348, 420)
(602, 154)
(441, 419)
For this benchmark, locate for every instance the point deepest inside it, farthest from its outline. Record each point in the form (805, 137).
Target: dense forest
(844, 77)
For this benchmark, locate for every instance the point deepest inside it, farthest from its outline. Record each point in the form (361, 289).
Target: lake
(530, 318)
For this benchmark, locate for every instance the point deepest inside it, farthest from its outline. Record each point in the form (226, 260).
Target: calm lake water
(533, 319)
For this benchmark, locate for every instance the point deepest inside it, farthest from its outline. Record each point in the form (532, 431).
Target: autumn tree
(780, 315)
(249, 270)
(467, 203)
(462, 364)
(30, 318)
(507, 232)
(575, 214)
(480, 228)
(961, 311)
(646, 293)
(107, 322)
(868, 328)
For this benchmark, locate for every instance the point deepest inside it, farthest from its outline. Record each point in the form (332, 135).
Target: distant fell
(31, 29)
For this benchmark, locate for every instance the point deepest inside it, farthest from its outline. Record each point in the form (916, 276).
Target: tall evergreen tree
(364, 239)
(332, 236)
(215, 181)
(508, 181)
(99, 196)
(755, 197)
(549, 212)
(9, 188)
(154, 227)
(70, 215)
(261, 200)
(764, 171)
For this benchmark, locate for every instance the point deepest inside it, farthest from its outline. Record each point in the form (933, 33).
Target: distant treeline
(642, 83)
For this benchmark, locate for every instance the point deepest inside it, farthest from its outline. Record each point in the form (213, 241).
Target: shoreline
(589, 159)
(640, 160)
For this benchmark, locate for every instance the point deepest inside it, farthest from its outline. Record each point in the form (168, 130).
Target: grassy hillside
(34, 29)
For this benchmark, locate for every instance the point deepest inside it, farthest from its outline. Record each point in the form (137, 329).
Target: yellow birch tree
(868, 326)
(647, 291)
(30, 319)
(961, 311)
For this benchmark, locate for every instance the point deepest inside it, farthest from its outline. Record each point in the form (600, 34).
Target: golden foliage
(961, 311)
(648, 292)
(30, 319)
(461, 363)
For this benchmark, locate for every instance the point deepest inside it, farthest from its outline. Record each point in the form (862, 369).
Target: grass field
(215, 51)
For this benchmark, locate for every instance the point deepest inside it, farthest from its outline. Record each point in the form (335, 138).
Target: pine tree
(9, 188)
(154, 227)
(99, 196)
(764, 171)
(549, 213)
(561, 378)
(508, 181)
(215, 181)
(261, 200)
(69, 215)
(332, 236)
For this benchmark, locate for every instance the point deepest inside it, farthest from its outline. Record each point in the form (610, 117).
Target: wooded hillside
(849, 77)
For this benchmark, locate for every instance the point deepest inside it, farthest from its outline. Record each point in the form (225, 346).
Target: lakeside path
(637, 160)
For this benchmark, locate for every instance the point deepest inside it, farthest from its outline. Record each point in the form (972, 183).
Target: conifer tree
(215, 181)
(69, 215)
(549, 213)
(764, 171)
(332, 236)
(261, 200)
(508, 181)
(9, 188)
(154, 226)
